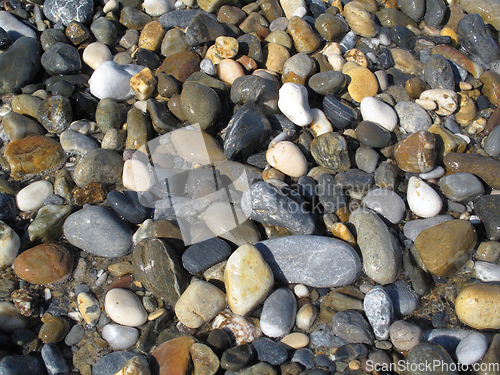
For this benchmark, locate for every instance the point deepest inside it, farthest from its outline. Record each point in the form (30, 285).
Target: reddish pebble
(173, 356)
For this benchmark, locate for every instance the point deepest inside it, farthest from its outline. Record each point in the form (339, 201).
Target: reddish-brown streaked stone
(35, 155)
(91, 193)
(44, 264)
(483, 167)
(491, 86)
(416, 153)
(173, 357)
(493, 121)
(249, 64)
(180, 65)
(458, 58)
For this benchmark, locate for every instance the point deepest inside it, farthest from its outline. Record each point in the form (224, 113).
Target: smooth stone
(438, 73)
(487, 272)
(405, 62)
(269, 351)
(61, 58)
(422, 199)
(247, 88)
(330, 195)
(363, 84)
(366, 159)
(413, 228)
(412, 117)
(237, 358)
(77, 143)
(491, 144)
(329, 82)
(265, 203)
(68, 11)
(20, 364)
(360, 20)
(435, 11)
(125, 308)
(173, 42)
(156, 8)
(417, 152)
(402, 37)
(133, 18)
(31, 197)
(330, 151)
(201, 29)
(44, 264)
(128, 206)
(354, 180)
(204, 114)
(111, 80)
(488, 251)
(351, 326)
(372, 135)
(48, 224)
(154, 259)
(17, 126)
(374, 110)
(483, 167)
(486, 208)
(446, 100)
(444, 249)
(196, 147)
(386, 203)
(293, 103)
(109, 115)
(199, 303)
(304, 38)
(205, 361)
(238, 329)
(102, 166)
(278, 314)
(50, 37)
(89, 308)
(477, 306)
(381, 252)
(415, 9)
(330, 27)
(173, 356)
(112, 363)
(95, 54)
(472, 348)
(54, 360)
(473, 36)
(137, 364)
(295, 340)
(340, 115)
(19, 65)
(14, 28)
(306, 317)
(305, 357)
(10, 318)
(9, 245)
(379, 311)
(461, 187)
(286, 157)
(202, 255)
(404, 299)
(335, 262)
(404, 335)
(98, 231)
(491, 86)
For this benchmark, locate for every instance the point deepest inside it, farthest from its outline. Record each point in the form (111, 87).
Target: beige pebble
(348, 66)
(95, 54)
(296, 340)
(319, 124)
(275, 57)
(477, 126)
(465, 86)
(143, 84)
(211, 55)
(446, 100)
(301, 290)
(151, 36)
(360, 20)
(89, 308)
(286, 157)
(363, 83)
(120, 269)
(306, 316)
(354, 365)
(406, 62)
(272, 174)
(404, 335)
(196, 146)
(226, 47)
(478, 306)
(428, 105)
(228, 70)
(135, 175)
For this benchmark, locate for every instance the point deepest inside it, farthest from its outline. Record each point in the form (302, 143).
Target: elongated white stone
(31, 198)
(293, 102)
(124, 307)
(422, 199)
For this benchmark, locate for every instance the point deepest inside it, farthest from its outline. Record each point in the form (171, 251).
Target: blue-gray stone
(388, 204)
(278, 313)
(413, 228)
(354, 180)
(472, 348)
(316, 261)
(21, 336)
(112, 363)
(61, 58)
(269, 351)
(247, 88)
(203, 255)
(322, 360)
(307, 187)
(404, 298)
(13, 29)
(178, 18)
(379, 311)
(414, 9)
(5, 39)
(265, 203)
(412, 117)
(330, 195)
(98, 231)
(8, 207)
(492, 143)
(429, 353)
(305, 357)
(448, 338)
(21, 365)
(65, 11)
(104, 31)
(349, 352)
(351, 326)
(202, 29)
(461, 187)
(127, 205)
(402, 37)
(473, 36)
(19, 65)
(366, 159)
(438, 73)
(435, 11)
(54, 360)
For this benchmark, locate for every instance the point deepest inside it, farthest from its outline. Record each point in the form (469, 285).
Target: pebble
(455, 240)
(295, 340)
(120, 337)
(412, 117)
(95, 54)
(137, 364)
(285, 257)
(54, 360)
(19, 364)
(414, 227)
(304, 38)
(480, 166)
(10, 318)
(203, 255)
(360, 20)
(472, 348)
(237, 358)
(14, 28)
(269, 351)
(204, 114)
(405, 336)
(375, 110)
(55, 114)
(31, 197)
(9, 245)
(68, 11)
(294, 104)
(379, 311)
(54, 329)
(386, 203)
(404, 299)
(352, 327)
(74, 142)
(473, 36)
(286, 157)
(461, 187)
(446, 100)
(112, 363)
(423, 200)
(430, 352)
(124, 307)
(89, 308)
(363, 84)
(486, 209)
(487, 272)
(204, 359)
(98, 231)
(278, 314)
(381, 252)
(330, 151)
(477, 306)
(438, 73)
(117, 80)
(306, 317)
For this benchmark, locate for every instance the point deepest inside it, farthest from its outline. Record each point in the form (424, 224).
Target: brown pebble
(54, 329)
(90, 194)
(416, 153)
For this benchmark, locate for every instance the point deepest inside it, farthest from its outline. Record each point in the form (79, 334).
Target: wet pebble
(270, 352)
(461, 187)
(278, 314)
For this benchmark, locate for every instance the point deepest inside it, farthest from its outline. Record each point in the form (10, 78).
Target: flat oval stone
(286, 157)
(422, 199)
(335, 262)
(48, 224)
(484, 168)
(101, 165)
(98, 231)
(54, 360)
(445, 248)
(124, 307)
(380, 250)
(32, 197)
(120, 337)
(248, 279)
(74, 142)
(304, 38)
(360, 20)
(363, 83)
(461, 187)
(404, 335)
(375, 110)
(478, 306)
(293, 103)
(329, 82)
(278, 314)
(202, 255)
(491, 144)
(196, 147)
(386, 203)
(372, 135)
(44, 264)
(203, 29)
(17, 126)
(472, 348)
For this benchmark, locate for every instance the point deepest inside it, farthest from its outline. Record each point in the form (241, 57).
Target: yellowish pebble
(465, 86)
(448, 31)
(341, 231)
(156, 314)
(296, 340)
(428, 105)
(226, 47)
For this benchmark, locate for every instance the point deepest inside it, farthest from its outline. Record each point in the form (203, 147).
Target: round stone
(101, 166)
(32, 197)
(478, 306)
(120, 337)
(404, 335)
(199, 113)
(375, 110)
(472, 348)
(278, 314)
(293, 103)
(95, 54)
(125, 308)
(286, 157)
(386, 203)
(423, 200)
(363, 83)
(372, 135)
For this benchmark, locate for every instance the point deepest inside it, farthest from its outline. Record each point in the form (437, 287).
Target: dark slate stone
(235, 359)
(21, 365)
(414, 9)
(351, 326)
(104, 31)
(247, 88)
(329, 82)
(8, 208)
(372, 135)
(330, 195)
(278, 313)
(54, 360)
(340, 115)
(19, 65)
(307, 187)
(219, 340)
(428, 352)
(5, 39)
(438, 73)
(488, 209)
(435, 11)
(61, 58)
(127, 206)
(269, 351)
(202, 255)
(250, 45)
(147, 58)
(403, 38)
(178, 18)
(349, 352)
(385, 59)
(202, 29)
(473, 36)
(354, 179)
(305, 357)
(492, 143)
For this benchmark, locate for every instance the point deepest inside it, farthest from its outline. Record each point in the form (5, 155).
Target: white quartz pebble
(124, 307)
(306, 316)
(135, 175)
(446, 100)
(286, 157)
(375, 110)
(31, 198)
(158, 7)
(111, 6)
(471, 348)
(95, 54)
(320, 124)
(9, 245)
(437, 172)
(423, 200)
(120, 337)
(487, 272)
(111, 80)
(301, 291)
(293, 103)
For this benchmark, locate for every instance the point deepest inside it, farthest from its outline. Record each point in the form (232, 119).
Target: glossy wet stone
(372, 135)
(438, 73)
(47, 226)
(330, 151)
(474, 38)
(103, 166)
(416, 153)
(483, 167)
(203, 255)
(237, 358)
(461, 187)
(19, 364)
(486, 208)
(127, 205)
(180, 65)
(204, 113)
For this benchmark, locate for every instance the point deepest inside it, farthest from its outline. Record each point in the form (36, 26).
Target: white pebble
(320, 124)
(111, 6)
(305, 316)
(437, 172)
(158, 7)
(487, 272)
(9, 245)
(120, 337)
(377, 111)
(384, 39)
(135, 175)
(101, 279)
(446, 100)
(112, 80)
(286, 157)
(47, 294)
(207, 67)
(423, 200)
(31, 198)
(293, 102)
(301, 291)
(96, 54)
(124, 307)
(471, 348)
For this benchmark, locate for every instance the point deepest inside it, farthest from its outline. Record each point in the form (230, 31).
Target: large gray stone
(101, 165)
(316, 261)
(19, 65)
(413, 228)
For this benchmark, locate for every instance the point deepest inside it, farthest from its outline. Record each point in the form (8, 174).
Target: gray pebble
(492, 142)
(461, 187)
(278, 314)
(386, 203)
(404, 299)
(379, 311)
(413, 228)
(352, 327)
(412, 117)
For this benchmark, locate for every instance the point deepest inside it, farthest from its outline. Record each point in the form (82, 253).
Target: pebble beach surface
(258, 188)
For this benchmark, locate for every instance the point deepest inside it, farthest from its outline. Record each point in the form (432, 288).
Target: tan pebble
(431, 30)
(120, 269)
(143, 84)
(301, 291)
(89, 308)
(275, 57)
(304, 38)
(363, 83)
(406, 62)
(357, 56)
(428, 105)
(306, 316)
(341, 231)
(226, 47)
(286, 157)
(350, 133)
(478, 306)
(151, 36)
(156, 314)
(354, 364)
(274, 174)
(477, 126)
(228, 70)
(360, 20)
(296, 340)
(348, 66)
(212, 56)
(467, 112)
(465, 86)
